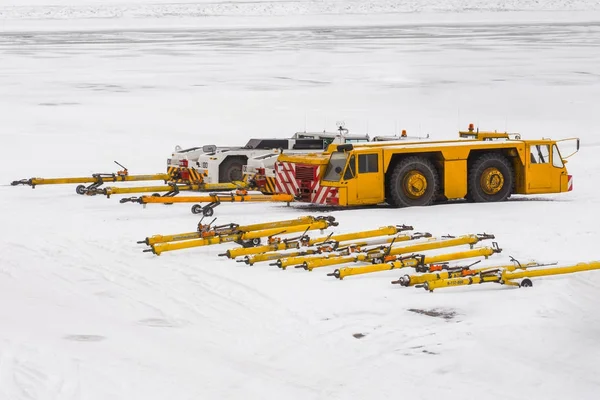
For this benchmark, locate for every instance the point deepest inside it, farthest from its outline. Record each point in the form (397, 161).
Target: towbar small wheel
(526, 283)
(197, 209)
(80, 189)
(208, 211)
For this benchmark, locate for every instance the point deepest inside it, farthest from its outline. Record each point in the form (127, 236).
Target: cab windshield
(336, 165)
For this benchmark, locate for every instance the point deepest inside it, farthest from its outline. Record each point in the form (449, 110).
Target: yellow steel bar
(324, 259)
(506, 275)
(242, 236)
(431, 244)
(411, 280)
(266, 249)
(170, 238)
(288, 229)
(387, 230)
(170, 246)
(203, 187)
(342, 248)
(223, 198)
(414, 262)
(92, 179)
(234, 228)
(462, 281)
(282, 224)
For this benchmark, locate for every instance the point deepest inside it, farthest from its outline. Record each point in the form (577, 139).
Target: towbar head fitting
(404, 227)
(485, 236)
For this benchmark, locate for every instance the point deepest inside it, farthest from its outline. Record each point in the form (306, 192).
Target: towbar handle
(420, 235)
(335, 274)
(131, 200)
(22, 182)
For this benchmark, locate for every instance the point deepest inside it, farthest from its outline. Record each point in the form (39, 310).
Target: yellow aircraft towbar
(416, 261)
(305, 241)
(377, 256)
(506, 277)
(250, 238)
(96, 180)
(213, 200)
(227, 229)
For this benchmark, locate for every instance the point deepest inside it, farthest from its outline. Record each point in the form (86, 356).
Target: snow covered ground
(84, 314)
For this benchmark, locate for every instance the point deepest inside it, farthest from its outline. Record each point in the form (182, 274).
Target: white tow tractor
(226, 164)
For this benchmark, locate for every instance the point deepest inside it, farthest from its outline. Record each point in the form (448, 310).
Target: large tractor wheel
(231, 169)
(414, 182)
(491, 178)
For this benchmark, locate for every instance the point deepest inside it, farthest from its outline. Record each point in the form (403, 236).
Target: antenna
(304, 120)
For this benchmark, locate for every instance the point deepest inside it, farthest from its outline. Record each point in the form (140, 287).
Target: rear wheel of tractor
(196, 209)
(490, 178)
(414, 182)
(231, 170)
(80, 189)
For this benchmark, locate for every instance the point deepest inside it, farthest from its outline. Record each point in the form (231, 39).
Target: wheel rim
(492, 181)
(235, 174)
(415, 184)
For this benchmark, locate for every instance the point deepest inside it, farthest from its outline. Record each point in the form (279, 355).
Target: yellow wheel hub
(415, 184)
(492, 181)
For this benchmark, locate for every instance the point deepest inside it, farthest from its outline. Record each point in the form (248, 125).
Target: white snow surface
(84, 314)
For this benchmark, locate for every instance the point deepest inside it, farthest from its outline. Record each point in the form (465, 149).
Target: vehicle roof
(331, 135)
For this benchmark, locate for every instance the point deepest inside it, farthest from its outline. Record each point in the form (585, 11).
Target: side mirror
(210, 148)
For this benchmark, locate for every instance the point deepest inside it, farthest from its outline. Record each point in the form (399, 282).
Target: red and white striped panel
(285, 178)
(570, 184)
(320, 194)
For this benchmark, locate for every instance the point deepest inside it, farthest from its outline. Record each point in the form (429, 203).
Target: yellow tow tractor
(479, 166)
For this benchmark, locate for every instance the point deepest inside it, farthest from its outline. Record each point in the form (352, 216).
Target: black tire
(526, 283)
(491, 178)
(208, 211)
(80, 189)
(255, 241)
(231, 169)
(196, 209)
(424, 187)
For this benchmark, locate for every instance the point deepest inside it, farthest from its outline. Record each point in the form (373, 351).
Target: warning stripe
(285, 178)
(570, 184)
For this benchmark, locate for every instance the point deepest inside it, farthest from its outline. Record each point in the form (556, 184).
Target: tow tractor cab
(480, 166)
(214, 164)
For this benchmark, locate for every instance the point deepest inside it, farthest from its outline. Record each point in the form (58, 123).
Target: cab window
(556, 158)
(351, 170)
(539, 154)
(336, 165)
(368, 163)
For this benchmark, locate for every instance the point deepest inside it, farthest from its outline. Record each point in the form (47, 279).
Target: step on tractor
(478, 166)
